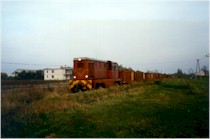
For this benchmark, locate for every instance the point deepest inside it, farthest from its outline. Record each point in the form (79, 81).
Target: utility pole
(66, 72)
(190, 71)
(198, 70)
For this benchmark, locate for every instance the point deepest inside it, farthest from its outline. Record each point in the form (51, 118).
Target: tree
(38, 75)
(120, 67)
(179, 73)
(4, 76)
(205, 70)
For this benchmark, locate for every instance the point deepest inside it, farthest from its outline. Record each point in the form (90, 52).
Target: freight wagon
(126, 76)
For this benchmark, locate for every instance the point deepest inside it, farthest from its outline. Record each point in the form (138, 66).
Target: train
(90, 73)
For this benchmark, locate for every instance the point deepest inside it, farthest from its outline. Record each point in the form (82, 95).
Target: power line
(155, 63)
(32, 64)
(168, 62)
(28, 64)
(206, 56)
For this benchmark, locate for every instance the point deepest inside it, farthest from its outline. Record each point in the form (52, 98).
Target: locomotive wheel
(100, 85)
(77, 88)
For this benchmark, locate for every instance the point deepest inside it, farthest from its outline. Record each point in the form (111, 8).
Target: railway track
(28, 87)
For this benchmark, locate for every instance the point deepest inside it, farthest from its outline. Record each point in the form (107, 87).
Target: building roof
(66, 68)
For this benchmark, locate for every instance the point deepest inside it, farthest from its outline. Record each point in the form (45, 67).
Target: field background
(162, 108)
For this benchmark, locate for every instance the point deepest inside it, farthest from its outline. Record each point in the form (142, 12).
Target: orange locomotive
(91, 73)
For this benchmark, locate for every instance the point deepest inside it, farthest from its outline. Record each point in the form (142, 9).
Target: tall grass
(164, 108)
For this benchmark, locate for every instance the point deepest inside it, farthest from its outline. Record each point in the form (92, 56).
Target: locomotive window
(115, 66)
(110, 66)
(80, 65)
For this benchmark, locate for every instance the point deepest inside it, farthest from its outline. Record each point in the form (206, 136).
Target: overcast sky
(144, 35)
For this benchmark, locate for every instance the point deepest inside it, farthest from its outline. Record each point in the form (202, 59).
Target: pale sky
(145, 35)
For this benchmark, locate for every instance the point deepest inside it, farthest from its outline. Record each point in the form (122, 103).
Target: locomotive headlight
(86, 76)
(74, 77)
(79, 59)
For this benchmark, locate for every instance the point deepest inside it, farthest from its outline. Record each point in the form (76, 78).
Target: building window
(52, 76)
(47, 76)
(47, 71)
(52, 71)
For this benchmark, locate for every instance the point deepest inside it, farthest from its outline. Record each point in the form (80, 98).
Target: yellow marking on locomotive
(87, 83)
(72, 83)
(84, 82)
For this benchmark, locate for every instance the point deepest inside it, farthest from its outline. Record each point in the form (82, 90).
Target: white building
(62, 73)
(201, 73)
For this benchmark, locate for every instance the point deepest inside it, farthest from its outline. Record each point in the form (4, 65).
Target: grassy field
(165, 108)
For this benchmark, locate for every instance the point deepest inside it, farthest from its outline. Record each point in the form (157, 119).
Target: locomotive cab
(113, 70)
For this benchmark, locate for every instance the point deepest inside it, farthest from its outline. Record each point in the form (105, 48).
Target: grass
(164, 108)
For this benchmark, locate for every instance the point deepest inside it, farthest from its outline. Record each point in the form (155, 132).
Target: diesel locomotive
(92, 73)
